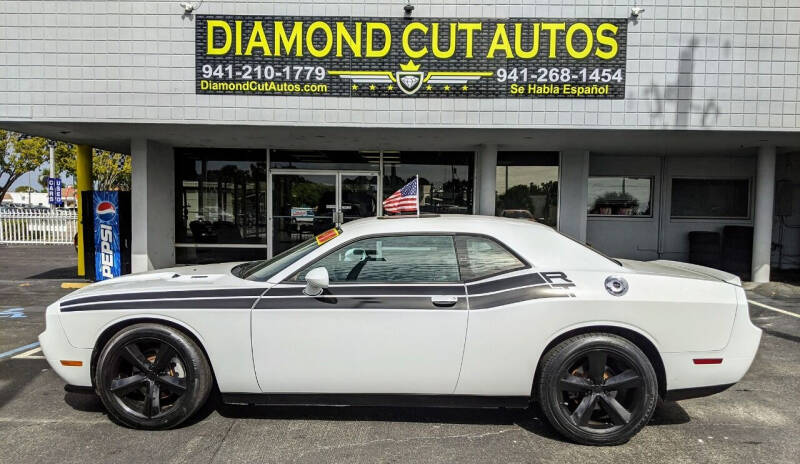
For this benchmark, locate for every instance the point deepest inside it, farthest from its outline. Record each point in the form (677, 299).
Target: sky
(34, 176)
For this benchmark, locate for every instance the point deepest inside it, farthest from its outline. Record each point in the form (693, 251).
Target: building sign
(107, 257)
(54, 191)
(397, 57)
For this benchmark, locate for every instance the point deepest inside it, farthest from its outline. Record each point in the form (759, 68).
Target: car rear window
(481, 257)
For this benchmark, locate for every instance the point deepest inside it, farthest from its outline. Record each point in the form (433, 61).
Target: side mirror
(316, 281)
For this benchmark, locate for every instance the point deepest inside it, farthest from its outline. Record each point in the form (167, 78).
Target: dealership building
(646, 130)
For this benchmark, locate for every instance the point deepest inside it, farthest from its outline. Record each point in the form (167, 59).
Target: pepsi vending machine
(106, 220)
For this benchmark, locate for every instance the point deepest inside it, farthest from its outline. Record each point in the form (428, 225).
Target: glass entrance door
(358, 195)
(306, 203)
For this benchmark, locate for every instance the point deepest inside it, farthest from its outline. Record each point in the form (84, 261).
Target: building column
(762, 220)
(487, 179)
(83, 181)
(152, 206)
(573, 190)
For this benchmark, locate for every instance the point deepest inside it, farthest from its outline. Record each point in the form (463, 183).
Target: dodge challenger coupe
(461, 311)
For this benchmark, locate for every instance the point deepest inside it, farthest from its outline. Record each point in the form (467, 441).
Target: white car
(443, 311)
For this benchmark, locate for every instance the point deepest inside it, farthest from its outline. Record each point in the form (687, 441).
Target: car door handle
(442, 300)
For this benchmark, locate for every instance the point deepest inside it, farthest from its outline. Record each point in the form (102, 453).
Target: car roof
(438, 223)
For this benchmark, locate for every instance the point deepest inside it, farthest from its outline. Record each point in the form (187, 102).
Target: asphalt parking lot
(758, 420)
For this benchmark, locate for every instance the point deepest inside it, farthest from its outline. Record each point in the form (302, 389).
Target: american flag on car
(405, 199)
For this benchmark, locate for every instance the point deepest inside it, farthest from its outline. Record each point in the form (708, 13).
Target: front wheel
(597, 389)
(151, 376)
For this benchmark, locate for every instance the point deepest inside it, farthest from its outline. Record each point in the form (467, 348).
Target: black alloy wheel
(152, 376)
(597, 389)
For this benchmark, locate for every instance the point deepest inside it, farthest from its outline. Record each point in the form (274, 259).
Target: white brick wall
(134, 61)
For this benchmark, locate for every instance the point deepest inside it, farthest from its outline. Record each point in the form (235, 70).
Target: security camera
(636, 11)
(408, 9)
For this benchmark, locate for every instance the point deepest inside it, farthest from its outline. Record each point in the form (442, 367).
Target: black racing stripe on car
(515, 296)
(206, 303)
(364, 302)
(505, 284)
(220, 293)
(383, 290)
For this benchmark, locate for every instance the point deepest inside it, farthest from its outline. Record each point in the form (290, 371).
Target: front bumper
(56, 348)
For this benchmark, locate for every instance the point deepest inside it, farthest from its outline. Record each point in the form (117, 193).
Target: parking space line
(30, 354)
(772, 308)
(74, 284)
(10, 353)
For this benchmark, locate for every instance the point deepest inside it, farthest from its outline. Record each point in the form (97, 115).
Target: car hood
(209, 276)
(679, 269)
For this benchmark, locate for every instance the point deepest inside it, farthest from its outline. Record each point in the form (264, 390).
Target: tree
(25, 189)
(20, 155)
(42, 179)
(111, 171)
(619, 202)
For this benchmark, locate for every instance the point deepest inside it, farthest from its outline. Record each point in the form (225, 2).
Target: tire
(577, 391)
(151, 376)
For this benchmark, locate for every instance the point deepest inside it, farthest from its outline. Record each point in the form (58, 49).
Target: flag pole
(419, 197)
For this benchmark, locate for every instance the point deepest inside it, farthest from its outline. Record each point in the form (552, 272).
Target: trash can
(737, 250)
(705, 248)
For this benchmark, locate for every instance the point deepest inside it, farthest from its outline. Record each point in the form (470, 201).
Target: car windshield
(261, 271)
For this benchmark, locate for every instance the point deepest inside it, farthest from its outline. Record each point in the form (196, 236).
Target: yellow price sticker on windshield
(326, 236)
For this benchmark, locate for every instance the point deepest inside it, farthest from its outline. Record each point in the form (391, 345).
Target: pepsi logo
(106, 211)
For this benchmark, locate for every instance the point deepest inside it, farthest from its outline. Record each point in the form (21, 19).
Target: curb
(74, 284)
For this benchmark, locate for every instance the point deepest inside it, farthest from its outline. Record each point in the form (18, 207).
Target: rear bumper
(737, 356)
(56, 348)
(698, 392)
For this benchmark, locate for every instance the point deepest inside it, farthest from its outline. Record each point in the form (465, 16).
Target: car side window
(408, 258)
(483, 257)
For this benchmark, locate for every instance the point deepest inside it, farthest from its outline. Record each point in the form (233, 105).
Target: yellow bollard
(84, 181)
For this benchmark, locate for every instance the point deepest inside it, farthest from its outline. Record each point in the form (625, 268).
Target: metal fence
(43, 226)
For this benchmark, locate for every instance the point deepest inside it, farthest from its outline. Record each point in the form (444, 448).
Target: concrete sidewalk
(778, 290)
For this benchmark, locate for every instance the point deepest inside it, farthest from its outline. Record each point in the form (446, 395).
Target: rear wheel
(597, 389)
(151, 376)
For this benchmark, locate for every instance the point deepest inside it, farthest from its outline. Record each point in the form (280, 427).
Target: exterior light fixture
(408, 9)
(636, 11)
(189, 7)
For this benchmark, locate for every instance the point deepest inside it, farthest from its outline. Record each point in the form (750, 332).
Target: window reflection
(620, 196)
(483, 257)
(302, 206)
(424, 258)
(445, 179)
(221, 196)
(710, 198)
(527, 186)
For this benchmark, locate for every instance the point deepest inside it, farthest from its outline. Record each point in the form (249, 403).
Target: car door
(393, 320)
(513, 309)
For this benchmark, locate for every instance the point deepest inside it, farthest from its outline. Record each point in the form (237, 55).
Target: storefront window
(527, 186)
(220, 200)
(620, 196)
(710, 198)
(445, 178)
